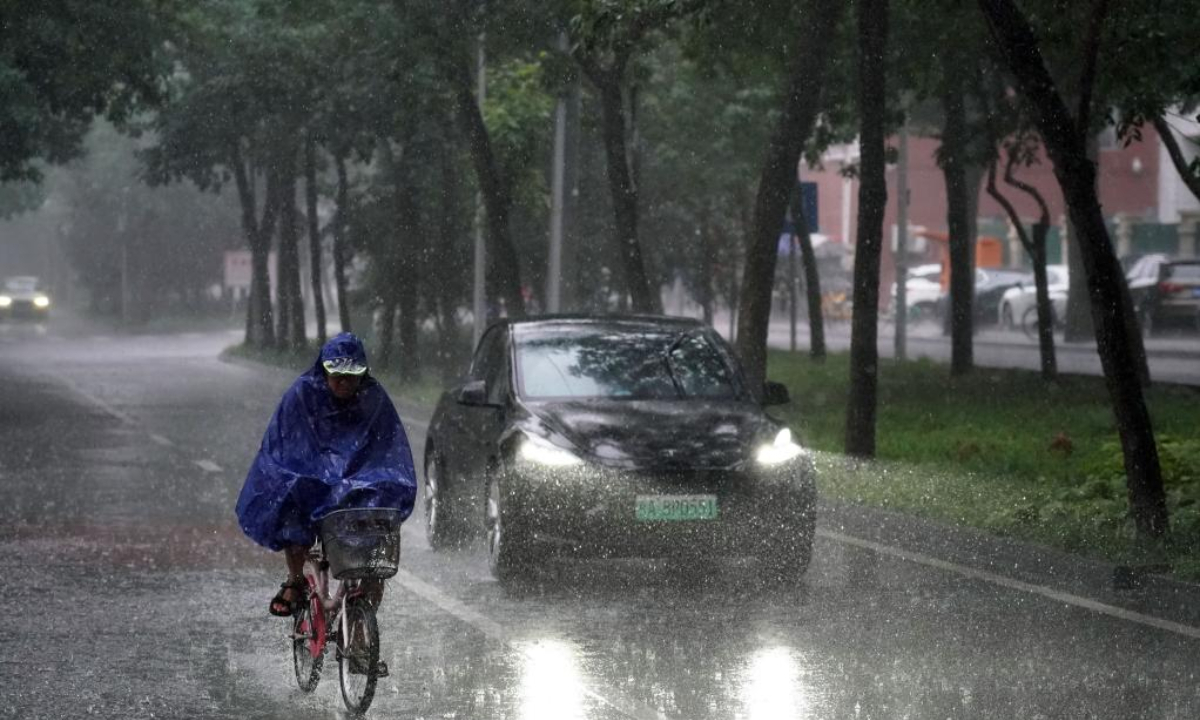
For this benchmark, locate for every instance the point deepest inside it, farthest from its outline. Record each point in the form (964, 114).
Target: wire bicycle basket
(362, 543)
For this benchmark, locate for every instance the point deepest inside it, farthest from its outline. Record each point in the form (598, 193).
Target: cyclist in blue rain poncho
(334, 442)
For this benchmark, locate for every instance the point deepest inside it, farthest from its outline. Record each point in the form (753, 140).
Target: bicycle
(357, 548)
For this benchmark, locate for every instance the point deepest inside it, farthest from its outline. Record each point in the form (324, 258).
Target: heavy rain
(598, 359)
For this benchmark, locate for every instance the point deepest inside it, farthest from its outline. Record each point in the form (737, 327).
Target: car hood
(658, 434)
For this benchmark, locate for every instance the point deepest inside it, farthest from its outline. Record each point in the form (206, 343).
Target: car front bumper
(593, 511)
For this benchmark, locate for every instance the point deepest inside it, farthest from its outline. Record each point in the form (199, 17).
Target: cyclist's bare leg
(295, 555)
(290, 593)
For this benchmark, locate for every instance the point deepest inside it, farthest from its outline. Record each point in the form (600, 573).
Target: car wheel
(510, 550)
(1006, 317)
(441, 525)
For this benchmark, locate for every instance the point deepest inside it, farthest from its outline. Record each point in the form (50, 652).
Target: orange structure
(989, 252)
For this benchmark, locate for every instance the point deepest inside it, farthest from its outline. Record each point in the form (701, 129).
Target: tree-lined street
(141, 597)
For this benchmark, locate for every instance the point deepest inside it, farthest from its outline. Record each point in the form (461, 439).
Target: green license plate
(676, 507)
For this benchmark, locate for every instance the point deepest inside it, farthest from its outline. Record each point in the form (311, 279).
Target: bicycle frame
(316, 572)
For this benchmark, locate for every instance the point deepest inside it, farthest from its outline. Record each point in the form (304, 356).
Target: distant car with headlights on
(23, 297)
(616, 437)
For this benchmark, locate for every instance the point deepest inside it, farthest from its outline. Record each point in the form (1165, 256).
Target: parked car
(1017, 301)
(990, 286)
(1165, 291)
(24, 297)
(921, 291)
(615, 437)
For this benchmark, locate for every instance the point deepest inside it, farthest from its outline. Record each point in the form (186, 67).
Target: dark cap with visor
(344, 355)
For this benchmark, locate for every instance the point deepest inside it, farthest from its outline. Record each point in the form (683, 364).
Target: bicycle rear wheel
(358, 656)
(308, 652)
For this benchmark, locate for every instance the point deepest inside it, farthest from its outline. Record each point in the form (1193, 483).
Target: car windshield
(20, 284)
(622, 364)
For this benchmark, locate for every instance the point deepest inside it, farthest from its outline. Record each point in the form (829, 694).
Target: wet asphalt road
(131, 593)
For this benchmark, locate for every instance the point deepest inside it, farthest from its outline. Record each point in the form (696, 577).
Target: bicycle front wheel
(308, 652)
(358, 656)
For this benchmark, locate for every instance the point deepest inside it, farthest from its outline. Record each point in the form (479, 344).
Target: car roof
(603, 322)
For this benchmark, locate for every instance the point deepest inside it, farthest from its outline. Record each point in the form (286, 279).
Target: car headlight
(543, 452)
(41, 301)
(5, 301)
(779, 451)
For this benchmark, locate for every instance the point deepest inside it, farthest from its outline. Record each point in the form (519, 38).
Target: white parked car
(922, 291)
(1022, 299)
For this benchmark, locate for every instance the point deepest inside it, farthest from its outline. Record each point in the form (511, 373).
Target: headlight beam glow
(543, 452)
(779, 451)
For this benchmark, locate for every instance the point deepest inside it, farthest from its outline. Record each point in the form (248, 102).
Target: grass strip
(1002, 451)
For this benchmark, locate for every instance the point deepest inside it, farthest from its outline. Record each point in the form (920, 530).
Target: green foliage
(64, 63)
(1003, 451)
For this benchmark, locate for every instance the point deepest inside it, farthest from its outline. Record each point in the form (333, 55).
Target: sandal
(280, 605)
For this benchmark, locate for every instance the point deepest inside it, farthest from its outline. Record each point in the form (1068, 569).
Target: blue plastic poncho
(321, 454)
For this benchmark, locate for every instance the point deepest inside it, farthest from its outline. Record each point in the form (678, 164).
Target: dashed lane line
(208, 466)
(1042, 590)
(104, 406)
(496, 631)
(165, 442)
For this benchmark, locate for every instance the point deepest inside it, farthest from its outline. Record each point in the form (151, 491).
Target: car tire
(511, 550)
(441, 523)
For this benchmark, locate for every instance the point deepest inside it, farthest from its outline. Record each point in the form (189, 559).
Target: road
(1174, 356)
(132, 594)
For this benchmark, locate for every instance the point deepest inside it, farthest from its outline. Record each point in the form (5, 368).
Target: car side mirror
(473, 393)
(775, 393)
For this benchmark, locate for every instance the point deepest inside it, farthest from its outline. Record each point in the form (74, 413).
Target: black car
(615, 437)
(990, 286)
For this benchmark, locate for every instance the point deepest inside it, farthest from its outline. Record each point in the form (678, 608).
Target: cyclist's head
(344, 362)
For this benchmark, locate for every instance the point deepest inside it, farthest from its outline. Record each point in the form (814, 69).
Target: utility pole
(902, 245)
(554, 271)
(479, 300)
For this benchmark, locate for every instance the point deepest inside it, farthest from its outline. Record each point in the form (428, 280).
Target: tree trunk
(1076, 174)
(1045, 310)
(339, 243)
(291, 331)
(405, 271)
(444, 253)
(260, 327)
(1189, 177)
(776, 182)
(960, 316)
(812, 282)
(314, 236)
(1036, 247)
(705, 278)
(872, 199)
(625, 198)
(497, 198)
(387, 332)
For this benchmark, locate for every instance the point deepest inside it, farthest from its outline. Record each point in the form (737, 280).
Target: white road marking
(165, 442)
(1047, 592)
(494, 630)
(208, 465)
(109, 409)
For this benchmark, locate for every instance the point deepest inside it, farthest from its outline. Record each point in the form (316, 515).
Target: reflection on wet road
(120, 460)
